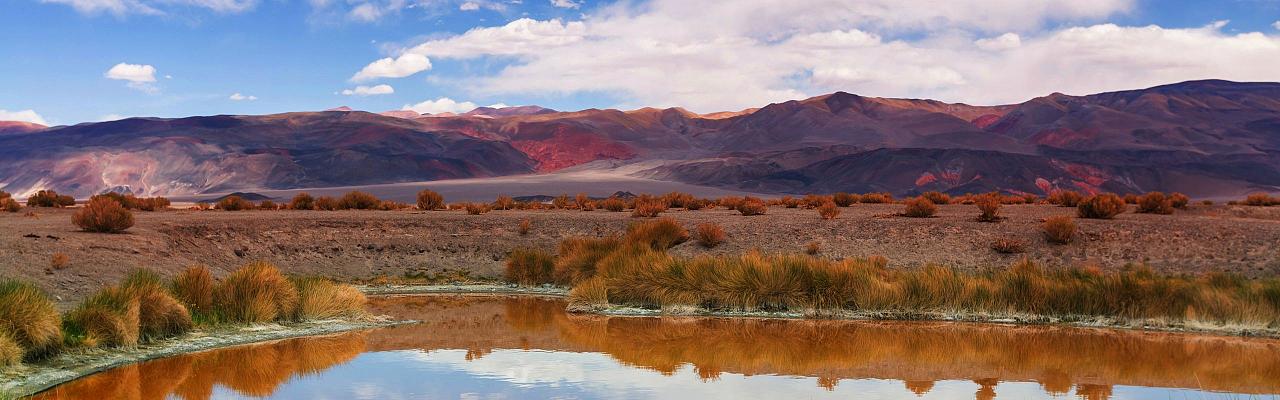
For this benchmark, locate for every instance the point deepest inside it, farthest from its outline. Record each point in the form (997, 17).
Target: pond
(497, 347)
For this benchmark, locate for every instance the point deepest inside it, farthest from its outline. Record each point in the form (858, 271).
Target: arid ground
(361, 245)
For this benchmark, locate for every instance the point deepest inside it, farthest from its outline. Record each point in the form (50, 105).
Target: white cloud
(712, 56)
(469, 6)
(153, 7)
(1003, 42)
(565, 3)
(399, 67)
(140, 76)
(111, 117)
(498, 105)
(1276, 25)
(240, 97)
(440, 105)
(369, 91)
(23, 115)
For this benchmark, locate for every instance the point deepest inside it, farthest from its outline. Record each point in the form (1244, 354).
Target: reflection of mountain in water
(1088, 361)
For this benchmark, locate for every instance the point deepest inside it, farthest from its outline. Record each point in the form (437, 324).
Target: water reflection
(530, 348)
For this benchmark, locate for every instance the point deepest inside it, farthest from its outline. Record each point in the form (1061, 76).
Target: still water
(492, 347)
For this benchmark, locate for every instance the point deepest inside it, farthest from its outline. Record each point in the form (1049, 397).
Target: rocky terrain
(364, 245)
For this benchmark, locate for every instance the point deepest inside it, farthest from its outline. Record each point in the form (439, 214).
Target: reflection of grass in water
(249, 370)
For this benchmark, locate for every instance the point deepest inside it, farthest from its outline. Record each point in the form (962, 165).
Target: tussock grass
(709, 235)
(255, 293)
(988, 206)
(160, 315)
(1059, 229)
(577, 257)
(648, 207)
(10, 353)
(107, 318)
(429, 200)
(29, 318)
(320, 299)
(194, 288)
(660, 234)
(530, 267)
(828, 210)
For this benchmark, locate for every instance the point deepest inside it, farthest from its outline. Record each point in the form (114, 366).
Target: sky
(72, 61)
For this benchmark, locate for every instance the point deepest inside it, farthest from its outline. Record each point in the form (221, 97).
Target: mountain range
(1203, 138)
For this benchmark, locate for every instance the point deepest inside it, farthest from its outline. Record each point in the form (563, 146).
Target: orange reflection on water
(1088, 361)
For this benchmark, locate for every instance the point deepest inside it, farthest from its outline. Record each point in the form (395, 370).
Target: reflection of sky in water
(519, 374)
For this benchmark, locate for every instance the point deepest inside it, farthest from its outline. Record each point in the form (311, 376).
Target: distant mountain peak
(342, 108)
(508, 111)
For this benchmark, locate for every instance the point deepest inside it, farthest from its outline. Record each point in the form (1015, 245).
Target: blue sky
(295, 55)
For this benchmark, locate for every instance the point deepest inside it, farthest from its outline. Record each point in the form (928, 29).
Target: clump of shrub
(10, 205)
(876, 198)
(255, 293)
(476, 208)
(28, 319)
(989, 207)
(659, 234)
(326, 203)
(843, 199)
(918, 207)
(528, 266)
(1255, 199)
(1179, 200)
(49, 198)
(357, 200)
(937, 197)
(234, 203)
(1155, 203)
(302, 201)
(1100, 206)
(59, 261)
(267, 205)
(103, 215)
(613, 204)
(194, 287)
(132, 202)
(751, 206)
(430, 200)
(648, 208)
(828, 210)
(709, 235)
(160, 315)
(504, 202)
(729, 202)
(577, 257)
(322, 299)
(108, 318)
(1007, 245)
(1065, 198)
(561, 202)
(812, 248)
(1059, 229)
(525, 226)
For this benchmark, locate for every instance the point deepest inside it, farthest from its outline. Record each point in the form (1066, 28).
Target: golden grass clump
(194, 288)
(103, 215)
(430, 200)
(592, 292)
(613, 204)
(1254, 199)
(988, 207)
(59, 261)
(751, 206)
(876, 198)
(29, 318)
(937, 197)
(1065, 198)
(1155, 203)
(476, 208)
(709, 235)
(1059, 229)
(843, 199)
(918, 207)
(828, 210)
(577, 258)
(648, 207)
(302, 201)
(326, 203)
(525, 226)
(812, 248)
(160, 315)
(659, 234)
(729, 202)
(234, 203)
(10, 353)
(10, 205)
(530, 267)
(1008, 245)
(1100, 206)
(357, 200)
(321, 299)
(108, 318)
(255, 293)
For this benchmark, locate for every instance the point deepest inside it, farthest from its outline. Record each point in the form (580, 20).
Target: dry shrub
(109, 318)
(103, 215)
(59, 261)
(321, 299)
(49, 198)
(1065, 198)
(581, 201)
(937, 197)
(5, 195)
(525, 226)
(659, 234)
(843, 199)
(504, 202)
(1254, 199)
(561, 202)
(267, 205)
(1155, 203)
(202, 206)
(815, 201)
(729, 202)
(812, 248)
(194, 288)
(648, 208)
(429, 200)
(876, 198)
(1100, 206)
(679, 199)
(1029, 198)
(255, 293)
(476, 208)
(10, 205)
(828, 210)
(233, 203)
(1131, 198)
(357, 200)
(751, 206)
(613, 204)
(29, 318)
(919, 207)
(1059, 229)
(577, 258)
(1179, 200)
(1007, 245)
(696, 204)
(160, 315)
(709, 235)
(302, 201)
(989, 207)
(326, 203)
(530, 267)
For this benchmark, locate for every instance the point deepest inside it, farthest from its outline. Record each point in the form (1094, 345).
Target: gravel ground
(360, 245)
